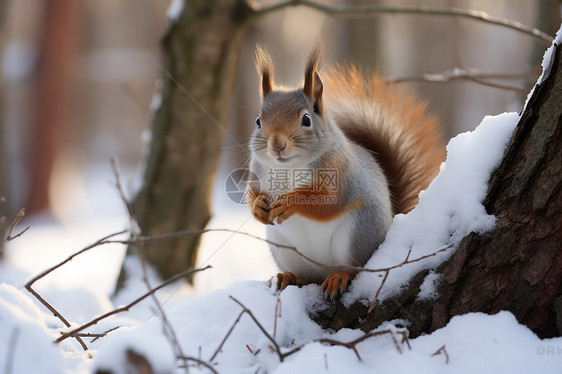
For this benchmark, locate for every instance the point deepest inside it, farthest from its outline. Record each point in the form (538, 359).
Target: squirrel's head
(291, 128)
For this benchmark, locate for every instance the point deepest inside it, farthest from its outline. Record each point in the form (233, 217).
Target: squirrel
(335, 160)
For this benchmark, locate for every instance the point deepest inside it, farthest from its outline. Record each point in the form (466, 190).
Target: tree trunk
(200, 51)
(3, 152)
(518, 265)
(56, 57)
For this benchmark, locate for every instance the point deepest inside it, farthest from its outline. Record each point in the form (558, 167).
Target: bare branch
(269, 337)
(277, 315)
(135, 230)
(405, 339)
(56, 313)
(471, 75)
(100, 335)
(199, 362)
(126, 308)
(442, 350)
(408, 261)
(275, 347)
(100, 242)
(128, 206)
(360, 11)
(374, 302)
(217, 351)
(353, 344)
(10, 236)
(405, 262)
(178, 234)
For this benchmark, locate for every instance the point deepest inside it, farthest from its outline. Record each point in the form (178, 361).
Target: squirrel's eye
(306, 120)
(258, 122)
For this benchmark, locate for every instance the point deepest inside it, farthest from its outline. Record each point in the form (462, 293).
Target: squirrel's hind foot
(336, 283)
(287, 279)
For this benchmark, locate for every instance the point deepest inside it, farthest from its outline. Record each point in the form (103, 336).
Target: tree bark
(200, 51)
(518, 265)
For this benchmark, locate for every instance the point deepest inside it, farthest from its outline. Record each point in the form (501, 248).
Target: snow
(448, 210)
(175, 9)
(428, 289)
(546, 60)
(25, 343)
(474, 342)
(202, 317)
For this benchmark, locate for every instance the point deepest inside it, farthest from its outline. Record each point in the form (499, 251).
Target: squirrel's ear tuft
(313, 86)
(264, 66)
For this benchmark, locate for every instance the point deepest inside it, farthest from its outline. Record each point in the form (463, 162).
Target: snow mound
(474, 343)
(449, 209)
(26, 346)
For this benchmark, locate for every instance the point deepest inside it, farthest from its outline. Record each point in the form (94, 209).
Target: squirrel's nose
(278, 145)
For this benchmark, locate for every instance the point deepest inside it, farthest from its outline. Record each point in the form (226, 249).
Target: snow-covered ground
(202, 317)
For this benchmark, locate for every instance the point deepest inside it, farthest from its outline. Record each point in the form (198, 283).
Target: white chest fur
(325, 242)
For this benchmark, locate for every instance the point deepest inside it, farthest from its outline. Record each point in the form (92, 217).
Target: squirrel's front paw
(336, 283)
(281, 209)
(260, 208)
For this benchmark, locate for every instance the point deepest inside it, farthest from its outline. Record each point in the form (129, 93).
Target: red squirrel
(336, 159)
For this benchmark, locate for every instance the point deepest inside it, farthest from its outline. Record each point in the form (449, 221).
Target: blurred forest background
(78, 79)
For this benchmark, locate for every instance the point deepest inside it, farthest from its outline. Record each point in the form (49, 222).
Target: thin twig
(126, 308)
(496, 85)
(405, 339)
(448, 76)
(124, 200)
(167, 326)
(374, 302)
(347, 345)
(396, 343)
(277, 315)
(352, 344)
(227, 335)
(269, 337)
(405, 262)
(16, 221)
(369, 10)
(9, 237)
(56, 313)
(29, 288)
(442, 350)
(275, 347)
(10, 352)
(200, 362)
(357, 269)
(100, 242)
(103, 334)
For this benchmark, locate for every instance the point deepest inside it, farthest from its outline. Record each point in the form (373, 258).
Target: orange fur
(391, 123)
(336, 283)
(322, 212)
(289, 204)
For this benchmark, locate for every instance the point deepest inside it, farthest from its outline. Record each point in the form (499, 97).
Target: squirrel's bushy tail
(393, 125)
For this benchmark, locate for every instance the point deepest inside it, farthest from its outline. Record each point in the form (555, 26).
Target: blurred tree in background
(200, 52)
(55, 63)
(3, 158)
